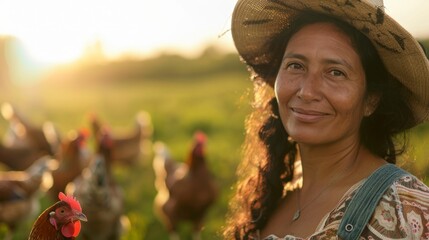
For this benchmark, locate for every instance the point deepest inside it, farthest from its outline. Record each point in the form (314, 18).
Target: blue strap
(364, 202)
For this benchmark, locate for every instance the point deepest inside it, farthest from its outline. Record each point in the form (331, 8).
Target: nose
(310, 87)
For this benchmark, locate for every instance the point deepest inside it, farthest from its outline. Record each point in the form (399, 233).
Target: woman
(337, 84)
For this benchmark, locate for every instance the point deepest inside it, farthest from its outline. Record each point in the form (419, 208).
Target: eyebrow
(338, 61)
(294, 55)
(333, 60)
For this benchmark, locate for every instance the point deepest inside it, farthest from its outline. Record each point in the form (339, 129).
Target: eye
(337, 73)
(294, 66)
(60, 211)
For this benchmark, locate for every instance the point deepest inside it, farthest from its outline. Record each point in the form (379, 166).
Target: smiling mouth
(308, 112)
(308, 115)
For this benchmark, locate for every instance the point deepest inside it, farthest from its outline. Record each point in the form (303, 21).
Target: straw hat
(254, 22)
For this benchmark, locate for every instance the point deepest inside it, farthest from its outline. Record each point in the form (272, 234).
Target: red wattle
(71, 229)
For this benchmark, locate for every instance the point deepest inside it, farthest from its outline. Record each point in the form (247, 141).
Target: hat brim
(254, 22)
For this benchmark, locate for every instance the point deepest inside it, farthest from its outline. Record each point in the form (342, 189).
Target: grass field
(215, 104)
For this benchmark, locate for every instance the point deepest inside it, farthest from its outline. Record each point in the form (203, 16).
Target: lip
(308, 115)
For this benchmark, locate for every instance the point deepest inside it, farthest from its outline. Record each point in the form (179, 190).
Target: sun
(55, 31)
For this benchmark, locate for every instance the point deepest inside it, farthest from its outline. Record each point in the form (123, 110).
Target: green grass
(216, 105)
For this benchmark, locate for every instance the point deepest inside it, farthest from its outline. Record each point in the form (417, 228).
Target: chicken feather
(128, 148)
(98, 192)
(187, 190)
(59, 221)
(19, 191)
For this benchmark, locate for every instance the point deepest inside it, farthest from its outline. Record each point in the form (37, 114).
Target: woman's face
(320, 86)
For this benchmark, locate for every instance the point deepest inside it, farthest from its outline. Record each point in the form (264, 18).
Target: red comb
(74, 204)
(84, 132)
(200, 136)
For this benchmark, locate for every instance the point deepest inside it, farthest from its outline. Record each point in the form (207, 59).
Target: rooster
(73, 158)
(19, 191)
(23, 133)
(59, 221)
(99, 194)
(185, 190)
(127, 149)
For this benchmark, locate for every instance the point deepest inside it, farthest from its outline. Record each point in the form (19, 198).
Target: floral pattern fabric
(402, 213)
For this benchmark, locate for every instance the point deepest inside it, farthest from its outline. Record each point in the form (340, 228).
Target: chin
(313, 136)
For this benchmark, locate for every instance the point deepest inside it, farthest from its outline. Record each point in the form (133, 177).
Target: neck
(322, 164)
(196, 163)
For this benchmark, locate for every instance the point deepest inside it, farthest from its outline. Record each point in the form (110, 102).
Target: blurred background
(65, 61)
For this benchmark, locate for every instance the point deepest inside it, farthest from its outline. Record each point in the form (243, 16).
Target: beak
(80, 216)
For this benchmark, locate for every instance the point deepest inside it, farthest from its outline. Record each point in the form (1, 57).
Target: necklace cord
(297, 213)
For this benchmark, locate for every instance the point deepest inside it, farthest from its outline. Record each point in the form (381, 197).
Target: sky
(54, 31)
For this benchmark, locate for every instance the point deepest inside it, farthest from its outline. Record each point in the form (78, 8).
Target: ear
(371, 103)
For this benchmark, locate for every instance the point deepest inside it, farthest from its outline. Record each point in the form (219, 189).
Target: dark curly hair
(269, 155)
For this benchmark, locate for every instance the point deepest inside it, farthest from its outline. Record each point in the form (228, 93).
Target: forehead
(326, 31)
(324, 40)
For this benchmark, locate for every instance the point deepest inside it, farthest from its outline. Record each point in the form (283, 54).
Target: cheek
(348, 101)
(283, 91)
(349, 110)
(276, 88)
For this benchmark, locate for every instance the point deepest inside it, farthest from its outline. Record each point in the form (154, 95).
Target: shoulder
(403, 211)
(410, 193)
(412, 198)
(410, 186)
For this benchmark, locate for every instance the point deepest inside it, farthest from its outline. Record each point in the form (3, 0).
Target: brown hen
(73, 157)
(186, 191)
(59, 221)
(19, 191)
(127, 148)
(23, 133)
(19, 158)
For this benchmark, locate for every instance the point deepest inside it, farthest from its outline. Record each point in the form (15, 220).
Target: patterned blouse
(402, 213)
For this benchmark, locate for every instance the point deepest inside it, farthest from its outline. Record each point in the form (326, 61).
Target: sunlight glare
(60, 30)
